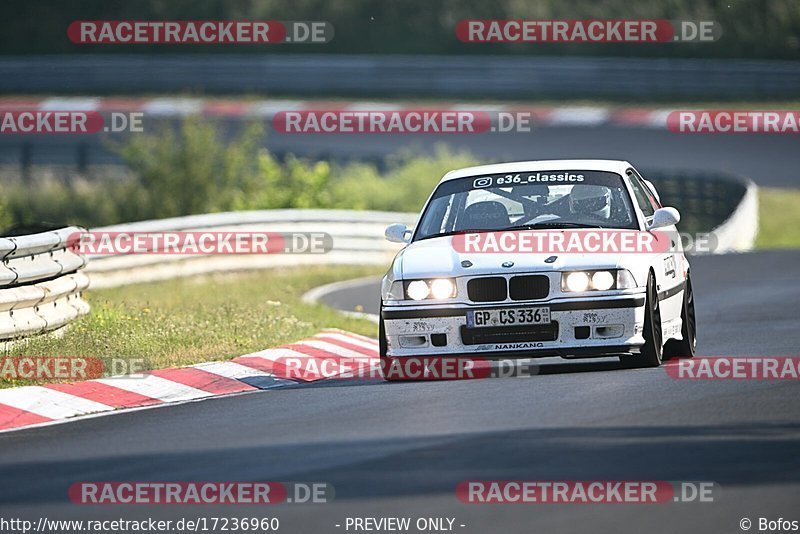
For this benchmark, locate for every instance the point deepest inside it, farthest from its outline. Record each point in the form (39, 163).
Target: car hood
(436, 257)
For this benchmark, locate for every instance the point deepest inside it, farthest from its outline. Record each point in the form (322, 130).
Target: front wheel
(383, 347)
(382, 344)
(651, 352)
(686, 347)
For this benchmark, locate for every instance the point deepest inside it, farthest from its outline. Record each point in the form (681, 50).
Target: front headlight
(418, 290)
(443, 288)
(436, 288)
(577, 281)
(603, 280)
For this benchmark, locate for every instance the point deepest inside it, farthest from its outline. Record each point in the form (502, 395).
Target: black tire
(686, 347)
(382, 344)
(383, 348)
(651, 352)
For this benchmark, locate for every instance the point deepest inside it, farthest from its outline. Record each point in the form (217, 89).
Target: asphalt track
(770, 160)
(400, 449)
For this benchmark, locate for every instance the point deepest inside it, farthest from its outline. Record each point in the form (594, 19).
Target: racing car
(454, 291)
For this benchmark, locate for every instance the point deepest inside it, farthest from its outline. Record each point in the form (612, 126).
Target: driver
(590, 200)
(537, 195)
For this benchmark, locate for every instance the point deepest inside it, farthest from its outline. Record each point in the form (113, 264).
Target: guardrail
(403, 75)
(357, 239)
(40, 283)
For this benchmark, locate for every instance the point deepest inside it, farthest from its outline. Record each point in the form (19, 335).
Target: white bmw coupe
(569, 258)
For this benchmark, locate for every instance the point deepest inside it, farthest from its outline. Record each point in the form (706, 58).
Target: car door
(667, 265)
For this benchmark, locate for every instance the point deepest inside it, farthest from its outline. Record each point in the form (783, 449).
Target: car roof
(608, 165)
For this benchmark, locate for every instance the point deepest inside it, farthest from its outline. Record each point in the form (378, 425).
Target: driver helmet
(590, 200)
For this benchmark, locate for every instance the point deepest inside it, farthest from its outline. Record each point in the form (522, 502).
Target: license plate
(507, 317)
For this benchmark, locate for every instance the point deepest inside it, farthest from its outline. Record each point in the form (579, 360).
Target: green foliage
(191, 170)
(5, 217)
(404, 187)
(80, 201)
(196, 168)
(778, 218)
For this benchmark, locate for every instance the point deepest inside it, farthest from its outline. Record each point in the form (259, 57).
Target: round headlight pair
(440, 288)
(581, 281)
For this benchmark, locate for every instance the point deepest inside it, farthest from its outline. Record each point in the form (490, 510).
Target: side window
(642, 194)
(436, 218)
(654, 200)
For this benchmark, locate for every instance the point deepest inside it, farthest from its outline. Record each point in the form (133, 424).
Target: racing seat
(487, 215)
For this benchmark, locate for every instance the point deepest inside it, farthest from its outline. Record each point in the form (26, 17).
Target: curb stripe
(121, 104)
(349, 343)
(322, 358)
(269, 362)
(273, 355)
(226, 108)
(249, 375)
(11, 417)
(33, 405)
(365, 339)
(99, 392)
(12, 103)
(579, 116)
(69, 104)
(373, 106)
(232, 370)
(312, 345)
(49, 402)
(156, 387)
(170, 107)
(203, 380)
(173, 106)
(270, 108)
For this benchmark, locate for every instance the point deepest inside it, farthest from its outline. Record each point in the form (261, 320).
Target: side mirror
(664, 217)
(397, 233)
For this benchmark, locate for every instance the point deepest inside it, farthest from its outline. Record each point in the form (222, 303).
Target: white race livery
(441, 299)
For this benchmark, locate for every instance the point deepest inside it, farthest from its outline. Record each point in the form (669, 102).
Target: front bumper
(579, 328)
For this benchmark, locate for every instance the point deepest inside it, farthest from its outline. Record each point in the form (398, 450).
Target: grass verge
(198, 319)
(778, 218)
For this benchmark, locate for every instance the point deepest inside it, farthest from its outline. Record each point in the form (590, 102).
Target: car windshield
(542, 199)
